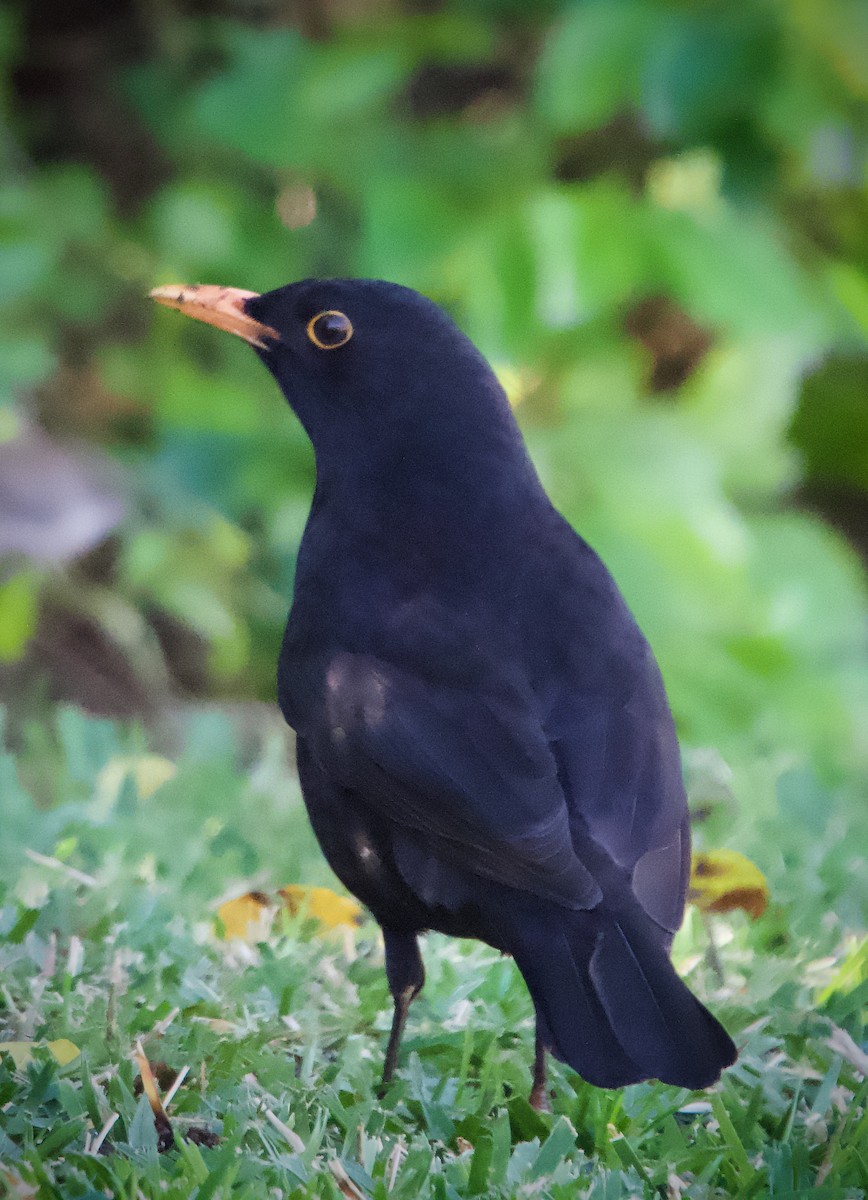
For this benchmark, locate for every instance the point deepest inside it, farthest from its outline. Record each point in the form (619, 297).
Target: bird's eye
(330, 329)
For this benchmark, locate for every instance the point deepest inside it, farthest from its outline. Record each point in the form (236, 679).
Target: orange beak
(220, 306)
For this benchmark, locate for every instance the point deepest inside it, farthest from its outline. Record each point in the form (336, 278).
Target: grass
(111, 874)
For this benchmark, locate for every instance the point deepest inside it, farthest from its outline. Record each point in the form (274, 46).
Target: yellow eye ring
(330, 329)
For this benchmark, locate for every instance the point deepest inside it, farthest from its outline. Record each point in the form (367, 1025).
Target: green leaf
(480, 1165)
(25, 361)
(733, 1142)
(705, 68)
(23, 266)
(254, 104)
(142, 1134)
(18, 614)
(589, 66)
(407, 228)
(733, 270)
(560, 1144)
(194, 225)
(580, 271)
(830, 425)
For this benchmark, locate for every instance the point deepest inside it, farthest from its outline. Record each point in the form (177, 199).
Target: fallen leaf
(16, 1186)
(149, 772)
(322, 904)
(248, 917)
(290, 1136)
(675, 1186)
(62, 1050)
(201, 1136)
(345, 1184)
(162, 1124)
(218, 1024)
(724, 880)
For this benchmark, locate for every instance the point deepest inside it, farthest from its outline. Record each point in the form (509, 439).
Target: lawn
(115, 857)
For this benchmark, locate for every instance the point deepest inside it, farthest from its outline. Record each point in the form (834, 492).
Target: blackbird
(484, 743)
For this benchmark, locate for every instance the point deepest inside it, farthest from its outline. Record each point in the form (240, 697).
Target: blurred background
(651, 215)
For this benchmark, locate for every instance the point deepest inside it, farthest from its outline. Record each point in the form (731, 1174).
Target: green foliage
(831, 425)
(541, 171)
(17, 614)
(591, 64)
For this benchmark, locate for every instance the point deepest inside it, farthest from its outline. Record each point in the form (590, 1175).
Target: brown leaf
(165, 1136)
(725, 880)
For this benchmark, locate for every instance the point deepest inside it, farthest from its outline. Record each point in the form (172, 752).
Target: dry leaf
(290, 1136)
(323, 905)
(345, 1184)
(62, 1050)
(724, 880)
(250, 917)
(841, 1043)
(149, 772)
(162, 1124)
(15, 1185)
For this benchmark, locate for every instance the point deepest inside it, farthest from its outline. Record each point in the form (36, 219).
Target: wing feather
(469, 768)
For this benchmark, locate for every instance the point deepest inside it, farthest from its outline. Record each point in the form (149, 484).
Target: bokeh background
(652, 216)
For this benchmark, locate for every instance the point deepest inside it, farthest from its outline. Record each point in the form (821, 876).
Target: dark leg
(406, 975)
(539, 1098)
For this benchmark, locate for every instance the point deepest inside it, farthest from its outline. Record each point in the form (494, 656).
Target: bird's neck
(445, 516)
(453, 485)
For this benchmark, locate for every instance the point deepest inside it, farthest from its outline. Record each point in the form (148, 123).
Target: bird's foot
(539, 1098)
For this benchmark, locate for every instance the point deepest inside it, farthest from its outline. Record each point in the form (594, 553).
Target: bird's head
(361, 361)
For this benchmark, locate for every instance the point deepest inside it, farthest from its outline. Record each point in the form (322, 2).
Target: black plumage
(484, 742)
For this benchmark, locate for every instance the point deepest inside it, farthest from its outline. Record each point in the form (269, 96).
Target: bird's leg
(406, 975)
(539, 1098)
(399, 1017)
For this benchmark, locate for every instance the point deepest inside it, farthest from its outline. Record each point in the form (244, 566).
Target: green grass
(107, 937)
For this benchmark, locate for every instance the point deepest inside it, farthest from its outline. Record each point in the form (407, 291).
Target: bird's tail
(612, 1005)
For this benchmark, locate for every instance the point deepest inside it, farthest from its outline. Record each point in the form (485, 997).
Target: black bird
(484, 743)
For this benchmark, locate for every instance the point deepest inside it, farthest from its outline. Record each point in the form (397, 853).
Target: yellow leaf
(322, 904)
(724, 880)
(248, 917)
(149, 772)
(62, 1050)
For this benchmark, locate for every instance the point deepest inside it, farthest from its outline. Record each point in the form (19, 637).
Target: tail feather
(655, 1016)
(580, 1032)
(615, 1008)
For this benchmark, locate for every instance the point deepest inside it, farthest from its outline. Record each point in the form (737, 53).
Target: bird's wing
(619, 766)
(611, 732)
(467, 767)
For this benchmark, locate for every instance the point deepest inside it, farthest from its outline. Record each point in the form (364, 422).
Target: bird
(483, 739)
